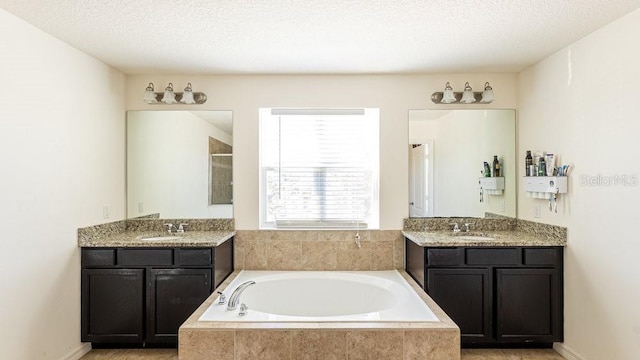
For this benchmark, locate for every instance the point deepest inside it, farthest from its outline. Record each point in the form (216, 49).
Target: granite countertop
(135, 239)
(500, 238)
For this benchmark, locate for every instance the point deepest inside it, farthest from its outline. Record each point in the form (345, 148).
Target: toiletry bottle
(496, 166)
(528, 162)
(487, 169)
(542, 167)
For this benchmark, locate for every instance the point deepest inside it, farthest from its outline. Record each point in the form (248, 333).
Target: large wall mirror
(179, 164)
(447, 150)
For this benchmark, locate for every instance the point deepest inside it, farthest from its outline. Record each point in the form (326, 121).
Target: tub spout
(234, 299)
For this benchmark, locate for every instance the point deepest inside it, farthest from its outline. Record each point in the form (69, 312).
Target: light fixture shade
(487, 94)
(150, 95)
(467, 95)
(448, 96)
(169, 97)
(187, 96)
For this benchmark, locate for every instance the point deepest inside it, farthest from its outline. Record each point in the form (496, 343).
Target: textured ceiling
(318, 37)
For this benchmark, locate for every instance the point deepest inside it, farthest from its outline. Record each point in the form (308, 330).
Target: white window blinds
(319, 168)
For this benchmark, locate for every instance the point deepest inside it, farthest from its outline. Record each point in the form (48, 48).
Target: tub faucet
(234, 299)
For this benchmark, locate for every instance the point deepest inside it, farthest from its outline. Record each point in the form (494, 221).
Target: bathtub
(323, 296)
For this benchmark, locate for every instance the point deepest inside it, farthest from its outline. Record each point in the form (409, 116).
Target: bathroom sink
(472, 237)
(159, 238)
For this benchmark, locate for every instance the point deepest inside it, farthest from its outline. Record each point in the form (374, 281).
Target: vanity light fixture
(169, 97)
(468, 96)
(187, 96)
(487, 94)
(150, 95)
(448, 96)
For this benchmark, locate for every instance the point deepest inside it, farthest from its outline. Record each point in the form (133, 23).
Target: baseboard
(78, 352)
(566, 352)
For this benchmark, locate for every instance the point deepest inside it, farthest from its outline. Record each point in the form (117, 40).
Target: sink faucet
(234, 299)
(178, 229)
(464, 228)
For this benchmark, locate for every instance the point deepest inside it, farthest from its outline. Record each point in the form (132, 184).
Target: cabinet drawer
(98, 257)
(454, 256)
(145, 257)
(540, 257)
(493, 256)
(187, 257)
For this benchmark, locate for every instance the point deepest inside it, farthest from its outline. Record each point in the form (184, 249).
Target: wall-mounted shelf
(491, 185)
(542, 187)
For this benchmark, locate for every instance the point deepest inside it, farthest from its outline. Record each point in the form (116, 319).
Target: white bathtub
(323, 296)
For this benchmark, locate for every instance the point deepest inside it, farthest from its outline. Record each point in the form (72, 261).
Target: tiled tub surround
(439, 340)
(129, 233)
(318, 250)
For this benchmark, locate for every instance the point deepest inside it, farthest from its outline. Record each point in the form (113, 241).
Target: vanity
(501, 281)
(140, 280)
(138, 287)
(502, 288)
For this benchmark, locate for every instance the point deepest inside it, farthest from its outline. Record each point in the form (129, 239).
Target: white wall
(168, 165)
(393, 94)
(62, 145)
(582, 103)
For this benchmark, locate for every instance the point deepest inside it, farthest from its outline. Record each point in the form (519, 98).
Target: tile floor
(467, 354)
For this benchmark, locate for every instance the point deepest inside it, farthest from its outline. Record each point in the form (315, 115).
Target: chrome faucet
(464, 228)
(178, 229)
(234, 299)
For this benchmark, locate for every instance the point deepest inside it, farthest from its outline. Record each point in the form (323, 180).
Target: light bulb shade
(487, 94)
(150, 95)
(187, 96)
(448, 96)
(169, 97)
(467, 95)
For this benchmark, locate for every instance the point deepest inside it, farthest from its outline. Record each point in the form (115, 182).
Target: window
(319, 168)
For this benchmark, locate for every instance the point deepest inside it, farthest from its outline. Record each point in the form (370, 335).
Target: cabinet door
(465, 295)
(113, 305)
(529, 305)
(173, 294)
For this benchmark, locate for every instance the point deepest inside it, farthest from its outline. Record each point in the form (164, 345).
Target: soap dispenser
(496, 166)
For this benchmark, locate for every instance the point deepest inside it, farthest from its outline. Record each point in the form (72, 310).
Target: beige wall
(582, 103)
(393, 94)
(62, 146)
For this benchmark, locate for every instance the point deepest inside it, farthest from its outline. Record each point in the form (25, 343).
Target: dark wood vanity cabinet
(496, 295)
(141, 296)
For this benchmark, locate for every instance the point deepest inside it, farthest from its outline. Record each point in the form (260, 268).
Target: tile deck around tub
(331, 340)
(466, 354)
